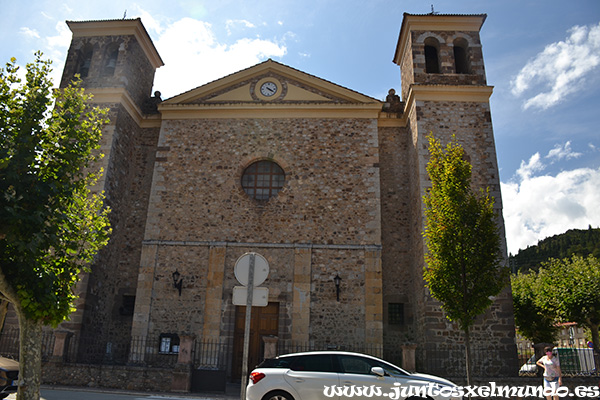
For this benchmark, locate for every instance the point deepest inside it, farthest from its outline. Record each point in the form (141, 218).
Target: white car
(529, 367)
(337, 375)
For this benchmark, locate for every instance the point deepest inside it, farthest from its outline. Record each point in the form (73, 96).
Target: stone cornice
(477, 94)
(121, 96)
(270, 110)
(366, 247)
(119, 27)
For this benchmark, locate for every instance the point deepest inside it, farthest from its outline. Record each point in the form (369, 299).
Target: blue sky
(542, 57)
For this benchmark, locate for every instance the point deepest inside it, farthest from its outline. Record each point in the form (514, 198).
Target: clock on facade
(268, 89)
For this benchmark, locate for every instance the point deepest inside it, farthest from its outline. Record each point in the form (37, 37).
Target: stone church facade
(320, 180)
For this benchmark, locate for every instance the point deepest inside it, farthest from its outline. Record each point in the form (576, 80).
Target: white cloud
(543, 206)
(232, 23)
(526, 170)
(560, 69)
(56, 49)
(563, 152)
(536, 207)
(193, 55)
(150, 23)
(31, 33)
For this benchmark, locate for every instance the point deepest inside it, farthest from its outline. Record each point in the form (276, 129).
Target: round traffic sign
(242, 269)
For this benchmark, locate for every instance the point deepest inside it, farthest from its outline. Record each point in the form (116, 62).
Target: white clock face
(268, 89)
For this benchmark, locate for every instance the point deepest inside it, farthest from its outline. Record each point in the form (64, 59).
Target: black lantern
(337, 281)
(177, 281)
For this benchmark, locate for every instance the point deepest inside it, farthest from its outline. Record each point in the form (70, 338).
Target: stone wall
(471, 123)
(397, 261)
(331, 194)
(108, 376)
(129, 154)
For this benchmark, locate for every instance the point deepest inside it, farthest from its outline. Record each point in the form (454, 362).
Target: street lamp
(337, 281)
(177, 281)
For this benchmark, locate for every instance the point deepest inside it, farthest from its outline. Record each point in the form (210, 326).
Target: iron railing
(9, 344)
(447, 361)
(574, 361)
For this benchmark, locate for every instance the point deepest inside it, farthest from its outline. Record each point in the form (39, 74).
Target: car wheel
(278, 395)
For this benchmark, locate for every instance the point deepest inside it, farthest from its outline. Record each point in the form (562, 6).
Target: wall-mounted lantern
(337, 281)
(177, 281)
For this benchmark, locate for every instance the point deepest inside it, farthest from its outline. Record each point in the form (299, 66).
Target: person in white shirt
(552, 373)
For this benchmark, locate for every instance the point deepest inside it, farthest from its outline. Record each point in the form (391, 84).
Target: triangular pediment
(266, 83)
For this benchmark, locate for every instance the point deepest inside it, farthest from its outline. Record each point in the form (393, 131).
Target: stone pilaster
(373, 297)
(301, 293)
(143, 297)
(214, 293)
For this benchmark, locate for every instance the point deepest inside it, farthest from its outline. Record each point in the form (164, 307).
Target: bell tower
(112, 56)
(116, 61)
(446, 93)
(437, 49)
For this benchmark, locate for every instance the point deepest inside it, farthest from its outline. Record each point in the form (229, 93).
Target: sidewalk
(232, 392)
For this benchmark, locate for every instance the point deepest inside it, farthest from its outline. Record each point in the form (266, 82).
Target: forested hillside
(582, 242)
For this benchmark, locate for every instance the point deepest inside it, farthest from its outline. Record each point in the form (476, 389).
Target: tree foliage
(463, 259)
(463, 246)
(569, 291)
(51, 225)
(581, 242)
(531, 320)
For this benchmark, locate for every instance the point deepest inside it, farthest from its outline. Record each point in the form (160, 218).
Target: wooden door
(264, 322)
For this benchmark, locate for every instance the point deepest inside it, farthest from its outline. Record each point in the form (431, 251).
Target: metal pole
(250, 292)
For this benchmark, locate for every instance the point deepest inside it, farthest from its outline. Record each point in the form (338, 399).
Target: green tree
(531, 320)
(569, 291)
(463, 245)
(51, 225)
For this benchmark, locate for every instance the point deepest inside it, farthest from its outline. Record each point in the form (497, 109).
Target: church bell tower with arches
(445, 93)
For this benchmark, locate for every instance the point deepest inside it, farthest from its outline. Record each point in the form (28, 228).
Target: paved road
(68, 394)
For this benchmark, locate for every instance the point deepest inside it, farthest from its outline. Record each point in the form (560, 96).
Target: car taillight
(255, 377)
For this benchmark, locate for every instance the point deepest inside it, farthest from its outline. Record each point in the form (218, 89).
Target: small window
(432, 62)
(112, 54)
(396, 313)
(84, 61)
(127, 305)
(461, 59)
(263, 180)
(169, 343)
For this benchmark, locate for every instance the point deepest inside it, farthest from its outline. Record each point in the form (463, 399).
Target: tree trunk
(30, 358)
(468, 355)
(596, 342)
(3, 312)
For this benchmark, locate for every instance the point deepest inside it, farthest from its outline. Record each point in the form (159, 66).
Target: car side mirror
(377, 371)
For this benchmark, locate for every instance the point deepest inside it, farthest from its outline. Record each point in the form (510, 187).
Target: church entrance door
(264, 322)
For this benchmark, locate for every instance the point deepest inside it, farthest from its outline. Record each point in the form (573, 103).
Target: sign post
(247, 325)
(251, 269)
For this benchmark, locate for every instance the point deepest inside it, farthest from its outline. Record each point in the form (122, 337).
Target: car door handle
(299, 380)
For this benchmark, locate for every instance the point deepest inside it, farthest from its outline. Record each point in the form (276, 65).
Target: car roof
(334, 352)
(338, 352)
(8, 364)
(305, 353)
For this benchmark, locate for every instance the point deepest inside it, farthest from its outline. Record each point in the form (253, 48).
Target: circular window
(263, 180)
